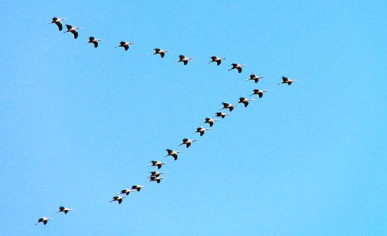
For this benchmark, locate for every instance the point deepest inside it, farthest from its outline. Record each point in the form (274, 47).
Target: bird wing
(157, 50)
(239, 69)
(91, 38)
(69, 27)
(260, 95)
(162, 54)
(95, 44)
(181, 57)
(119, 201)
(218, 62)
(186, 62)
(59, 25)
(187, 145)
(75, 34)
(126, 47)
(185, 140)
(285, 79)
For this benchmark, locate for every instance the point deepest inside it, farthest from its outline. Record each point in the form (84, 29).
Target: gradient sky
(79, 124)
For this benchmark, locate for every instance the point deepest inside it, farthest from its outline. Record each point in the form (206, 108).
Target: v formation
(156, 176)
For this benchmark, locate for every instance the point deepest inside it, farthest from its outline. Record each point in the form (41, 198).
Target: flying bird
(155, 173)
(245, 101)
(187, 142)
(200, 130)
(237, 66)
(227, 105)
(184, 59)
(44, 220)
(94, 41)
(138, 187)
(117, 199)
(159, 51)
(156, 178)
(173, 153)
(125, 45)
(157, 163)
(285, 80)
(258, 92)
(57, 21)
(64, 209)
(209, 121)
(221, 114)
(255, 78)
(216, 59)
(72, 30)
(126, 191)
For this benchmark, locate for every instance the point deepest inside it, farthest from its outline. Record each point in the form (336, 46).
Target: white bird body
(64, 209)
(157, 163)
(221, 114)
(44, 220)
(126, 191)
(184, 59)
(245, 101)
(94, 41)
(156, 178)
(237, 66)
(255, 78)
(228, 106)
(159, 51)
(187, 142)
(173, 153)
(125, 45)
(57, 21)
(201, 130)
(286, 80)
(137, 187)
(155, 173)
(258, 92)
(216, 59)
(72, 30)
(209, 121)
(117, 199)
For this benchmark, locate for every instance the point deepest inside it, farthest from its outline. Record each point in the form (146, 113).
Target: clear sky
(79, 124)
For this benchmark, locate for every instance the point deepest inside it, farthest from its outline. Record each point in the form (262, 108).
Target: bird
(227, 105)
(184, 59)
(210, 121)
(245, 101)
(200, 130)
(187, 142)
(118, 199)
(137, 187)
(64, 209)
(216, 59)
(72, 30)
(285, 80)
(157, 163)
(172, 153)
(258, 92)
(159, 51)
(255, 78)
(126, 191)
(125, 45)
(237, 66)
(94, 41)
(57, 21)
(44, 220)
(156, 178)
(221, 114)
(155, 173)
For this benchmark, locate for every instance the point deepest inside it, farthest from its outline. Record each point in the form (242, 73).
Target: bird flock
(156, 176)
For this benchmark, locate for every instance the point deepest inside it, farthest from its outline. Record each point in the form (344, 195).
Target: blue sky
(79, 124)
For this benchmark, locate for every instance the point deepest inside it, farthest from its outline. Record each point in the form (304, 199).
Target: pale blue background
(79, 124)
